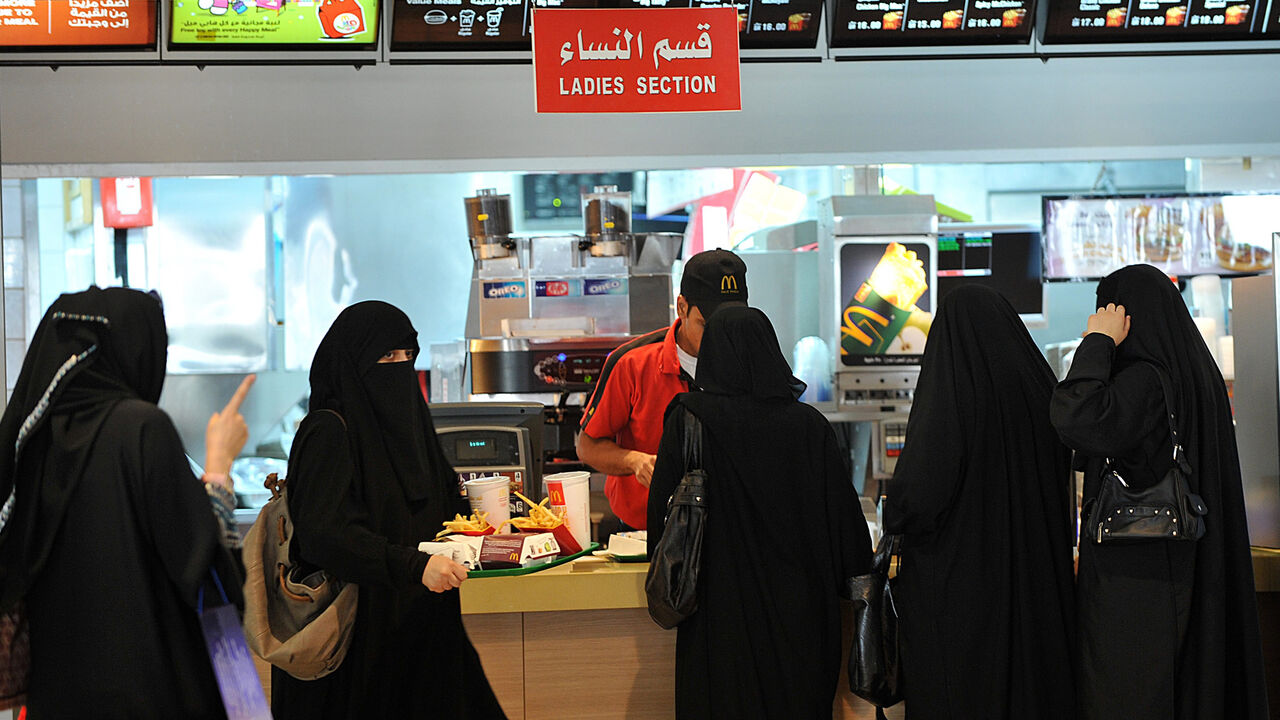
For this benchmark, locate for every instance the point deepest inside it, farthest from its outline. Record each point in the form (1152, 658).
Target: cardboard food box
(518, 550)
(463, 549)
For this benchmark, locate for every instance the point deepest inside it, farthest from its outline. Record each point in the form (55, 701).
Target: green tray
(642, 557)
(506, 572)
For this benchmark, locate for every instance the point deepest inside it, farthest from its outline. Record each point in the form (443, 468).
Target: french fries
(540, 517)
(478, 522)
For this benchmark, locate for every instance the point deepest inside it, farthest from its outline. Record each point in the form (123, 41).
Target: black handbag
(875, 669)
(1168, 510)
(671, 585)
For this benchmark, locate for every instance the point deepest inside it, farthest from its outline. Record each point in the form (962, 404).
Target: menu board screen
(886, 301)
(425, 25)
(468, 24)
(333, 24)
(1154, 20)
(858, 23)
(28, 24)
(1089, 237)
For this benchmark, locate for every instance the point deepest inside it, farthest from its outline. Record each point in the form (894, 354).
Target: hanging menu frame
(59, 55)
(267, 54)
(525, 56)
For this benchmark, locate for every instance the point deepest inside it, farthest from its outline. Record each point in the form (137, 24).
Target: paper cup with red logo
(571, 491)
(491, 495)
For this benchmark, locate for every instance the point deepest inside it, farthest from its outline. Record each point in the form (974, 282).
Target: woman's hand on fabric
(443, 574)
(226, 432)
(1110, 321)
(641, 464)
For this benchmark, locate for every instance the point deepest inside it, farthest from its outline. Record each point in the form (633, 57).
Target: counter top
(588, 583)
(595, 583)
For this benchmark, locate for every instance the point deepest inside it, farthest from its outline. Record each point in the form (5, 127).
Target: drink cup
(491, 495)
(571, 491)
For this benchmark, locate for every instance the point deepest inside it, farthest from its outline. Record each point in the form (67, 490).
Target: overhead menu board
(762, 24)
(88, 24)
(1077, 21)
(426, 25)
(876, 23)
(326, 24)
(1090, 236)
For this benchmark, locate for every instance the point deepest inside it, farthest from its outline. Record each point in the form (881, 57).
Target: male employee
(622, 425)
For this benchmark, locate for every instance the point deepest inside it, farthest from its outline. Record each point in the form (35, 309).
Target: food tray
(642, 557)
(506, 572)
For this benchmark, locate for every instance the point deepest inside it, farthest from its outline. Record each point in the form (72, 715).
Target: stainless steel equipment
(545, 312)
(1255, 308)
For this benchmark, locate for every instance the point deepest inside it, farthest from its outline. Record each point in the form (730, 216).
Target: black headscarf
(740, 356)
(1223, 634)
(381, 402)
(91, 350)
(981, 495)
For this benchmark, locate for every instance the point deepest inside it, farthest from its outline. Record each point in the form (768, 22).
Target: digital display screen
(1007, 261)
(473, 448)
(426, 25)
(41, 24)
(888, 302)
(1087, 237)
(1154, 20)
(315, 24)
(859, 23)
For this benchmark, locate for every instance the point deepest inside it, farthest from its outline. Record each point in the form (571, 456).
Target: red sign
(636, 60)
(25, 23)
(126, 202)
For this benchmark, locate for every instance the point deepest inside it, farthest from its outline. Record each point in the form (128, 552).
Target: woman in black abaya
(106, 536)
(981, 494)
(1168, 629)
(784, 530)
(367, 483)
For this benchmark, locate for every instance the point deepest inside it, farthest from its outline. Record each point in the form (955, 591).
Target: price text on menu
(77, 23)
(1156, 20)
(931, 22)
(666, 60)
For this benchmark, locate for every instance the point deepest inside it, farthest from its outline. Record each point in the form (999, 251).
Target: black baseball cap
(713, 278)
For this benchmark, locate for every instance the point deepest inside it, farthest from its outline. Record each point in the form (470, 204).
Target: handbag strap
(1179, 457)
(692, 441)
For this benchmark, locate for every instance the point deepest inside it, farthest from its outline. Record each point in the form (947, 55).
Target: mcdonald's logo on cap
(728, 284)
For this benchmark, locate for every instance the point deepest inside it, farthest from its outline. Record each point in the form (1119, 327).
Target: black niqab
(740, 356)
(381, 403)
(981, 495)
(102, 347)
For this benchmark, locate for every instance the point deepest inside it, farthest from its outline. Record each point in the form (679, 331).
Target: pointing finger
(233, 405)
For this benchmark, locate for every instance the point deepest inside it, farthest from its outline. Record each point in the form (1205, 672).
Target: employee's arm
(607, 456)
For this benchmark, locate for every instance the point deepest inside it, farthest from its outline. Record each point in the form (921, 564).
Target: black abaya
(784, 530)
(1168, 629)
(981, 495)
(111, 535)
(362, 496)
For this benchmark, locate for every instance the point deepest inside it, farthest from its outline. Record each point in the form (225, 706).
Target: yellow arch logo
(728, 284)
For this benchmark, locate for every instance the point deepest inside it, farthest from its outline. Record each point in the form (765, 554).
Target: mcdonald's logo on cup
(728, 284)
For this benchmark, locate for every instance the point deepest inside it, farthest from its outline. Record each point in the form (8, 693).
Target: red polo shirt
(637, 383)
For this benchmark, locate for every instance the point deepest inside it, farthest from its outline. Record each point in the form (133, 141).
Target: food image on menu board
(275, 22)
(1089, 237)
(1151, 20)
(930, 22)
(77, 23)
(885, 320)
